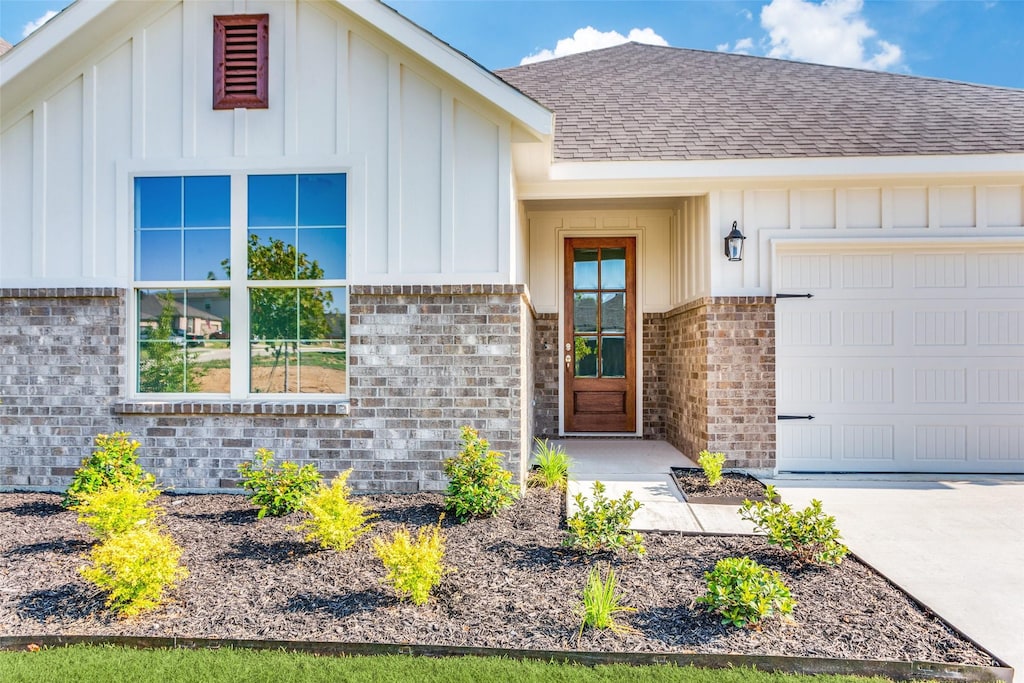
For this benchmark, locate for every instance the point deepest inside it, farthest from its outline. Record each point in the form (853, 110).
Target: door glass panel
(613, 356)
(586, 356)
(585, 312)
(613, 268)
(584, 269)
(613, 312)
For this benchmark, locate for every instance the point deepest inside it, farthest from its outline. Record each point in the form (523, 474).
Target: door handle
(568, 362)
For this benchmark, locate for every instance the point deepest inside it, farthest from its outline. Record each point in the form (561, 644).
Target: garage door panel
(909, 361)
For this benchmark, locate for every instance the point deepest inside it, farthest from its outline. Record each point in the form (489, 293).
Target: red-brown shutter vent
(240, 61)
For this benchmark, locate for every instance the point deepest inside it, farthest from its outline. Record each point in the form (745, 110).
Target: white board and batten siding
(910, 358)
(428, 159)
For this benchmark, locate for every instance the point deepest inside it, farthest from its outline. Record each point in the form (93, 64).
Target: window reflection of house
(195, 318)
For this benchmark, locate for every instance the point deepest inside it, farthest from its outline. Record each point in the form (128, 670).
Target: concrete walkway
(643, 467)
(954, 543)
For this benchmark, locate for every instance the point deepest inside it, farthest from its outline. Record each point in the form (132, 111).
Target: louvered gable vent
(240, 61)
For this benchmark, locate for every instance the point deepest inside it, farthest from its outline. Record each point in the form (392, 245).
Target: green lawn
(100, 663)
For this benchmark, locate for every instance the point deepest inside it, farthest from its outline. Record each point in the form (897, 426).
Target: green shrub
(277, 491)
(414, 568)
(478, 485)
(743, 592)
(135, 568)
(117, 508)
(810, 533)
(113, 462)
(601, 602)
(603, 523)
(335, 521)
(711, 463)
(552, 466)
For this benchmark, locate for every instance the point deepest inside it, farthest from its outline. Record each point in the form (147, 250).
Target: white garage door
(910, 360)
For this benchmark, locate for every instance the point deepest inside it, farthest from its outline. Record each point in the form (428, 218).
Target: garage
(905, 357)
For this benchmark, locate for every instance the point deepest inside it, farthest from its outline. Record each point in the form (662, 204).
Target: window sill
(258, 408)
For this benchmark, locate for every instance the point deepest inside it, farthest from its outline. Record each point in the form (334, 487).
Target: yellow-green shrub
(414, 568)
(135, 568)
(334, 521)
(116, 508)
(113, 462)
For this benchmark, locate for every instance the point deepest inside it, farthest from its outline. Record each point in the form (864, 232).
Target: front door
(599, 350)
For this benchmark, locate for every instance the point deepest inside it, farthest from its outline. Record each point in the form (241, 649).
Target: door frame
(638, 235)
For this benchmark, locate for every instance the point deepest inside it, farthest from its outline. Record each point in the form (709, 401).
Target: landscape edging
(895, 670)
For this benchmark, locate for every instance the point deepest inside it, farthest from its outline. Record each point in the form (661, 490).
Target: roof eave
(796, 167)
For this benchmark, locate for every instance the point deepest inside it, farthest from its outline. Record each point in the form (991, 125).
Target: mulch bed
(694, 485)
(511, 586)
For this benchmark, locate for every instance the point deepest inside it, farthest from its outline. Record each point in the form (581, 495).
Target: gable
(426, 149)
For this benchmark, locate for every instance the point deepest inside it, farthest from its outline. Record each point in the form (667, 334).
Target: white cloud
(743, 46)
(832, 32)
(33, 25)
(745, 13)
(589, 38)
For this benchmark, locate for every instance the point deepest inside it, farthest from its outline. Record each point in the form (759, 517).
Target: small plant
(135, 568)
(277, 492)
(743, 592)
(335, 521)
(478, 485)
(116, 508)
(552, 466)
(414, 567)
(113, 462)
(711, 463)
(810, 534)
(603, 523)
(601, 602)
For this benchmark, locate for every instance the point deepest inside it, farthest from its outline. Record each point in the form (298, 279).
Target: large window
(276, 325)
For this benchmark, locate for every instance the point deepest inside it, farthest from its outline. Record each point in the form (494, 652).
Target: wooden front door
(599, 349)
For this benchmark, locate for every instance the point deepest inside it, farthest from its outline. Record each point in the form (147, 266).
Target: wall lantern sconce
(734, 244)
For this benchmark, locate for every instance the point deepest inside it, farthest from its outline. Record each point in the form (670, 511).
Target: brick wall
(422, 362)
(545, 381)
(686, 378)
(655, 386)
(721, 379)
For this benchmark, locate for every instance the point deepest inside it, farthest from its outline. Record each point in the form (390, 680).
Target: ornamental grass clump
(551, 466)
(478, 485)
(745, 593)
(414, 567)
(712, 464)
(810, 534)
(135, 568)
(276, 491)
(602, 523)
(117, 508)
(601, 602)
(112, 463)
(335, 521)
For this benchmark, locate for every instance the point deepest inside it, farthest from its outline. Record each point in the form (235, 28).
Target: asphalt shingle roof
(642, 102)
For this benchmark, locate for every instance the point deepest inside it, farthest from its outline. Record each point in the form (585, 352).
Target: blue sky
(980, 41)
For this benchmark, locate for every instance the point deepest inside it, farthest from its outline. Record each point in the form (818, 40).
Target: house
(400, 242)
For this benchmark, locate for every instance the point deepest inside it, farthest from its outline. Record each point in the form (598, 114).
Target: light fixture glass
(734, 244)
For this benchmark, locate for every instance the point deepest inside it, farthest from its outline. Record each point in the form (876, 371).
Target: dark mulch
(694, 485)
(511, 586)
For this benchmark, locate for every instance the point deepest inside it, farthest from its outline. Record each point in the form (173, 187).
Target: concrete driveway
(956, 544)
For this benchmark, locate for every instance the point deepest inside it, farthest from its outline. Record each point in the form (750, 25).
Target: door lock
(568, 346)
(568, 361)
